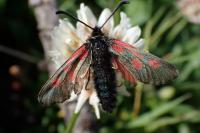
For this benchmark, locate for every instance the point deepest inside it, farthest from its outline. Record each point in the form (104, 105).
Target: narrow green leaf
(160, 110)
(166, 121)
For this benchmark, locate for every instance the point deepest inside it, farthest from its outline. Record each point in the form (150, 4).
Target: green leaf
(153, 126)
(184, 113)
(139, 11)
(166, 121)
(182, 109)
(183, 128)
(2, 4)
(148, 117)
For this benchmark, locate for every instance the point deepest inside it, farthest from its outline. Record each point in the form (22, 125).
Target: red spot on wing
(137, 64)
(126, 45)
(56, 82)
(82, 57)
(130, 48)
(71, 75)
(76, 54)
(154, 63)
(117, 48)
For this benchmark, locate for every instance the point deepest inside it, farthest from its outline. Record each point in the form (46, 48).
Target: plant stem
(137, 100)
(71, 123)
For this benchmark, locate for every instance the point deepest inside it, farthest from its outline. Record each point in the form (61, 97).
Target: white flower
(191, 9)
(67, 39)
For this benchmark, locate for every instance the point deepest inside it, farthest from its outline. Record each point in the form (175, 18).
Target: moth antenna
(116, 8)
(68, 14)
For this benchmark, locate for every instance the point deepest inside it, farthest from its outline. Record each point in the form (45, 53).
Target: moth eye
(154, 63)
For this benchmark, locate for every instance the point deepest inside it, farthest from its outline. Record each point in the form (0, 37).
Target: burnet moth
(101, 57)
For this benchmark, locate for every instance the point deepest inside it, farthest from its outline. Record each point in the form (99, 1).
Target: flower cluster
(67, 39)
(191, 9)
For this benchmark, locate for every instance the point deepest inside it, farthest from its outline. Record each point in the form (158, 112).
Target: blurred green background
(172, 108)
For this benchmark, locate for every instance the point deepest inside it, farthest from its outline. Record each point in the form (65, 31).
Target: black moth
(103, 57)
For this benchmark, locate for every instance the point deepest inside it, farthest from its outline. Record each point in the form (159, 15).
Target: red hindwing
(125, 72)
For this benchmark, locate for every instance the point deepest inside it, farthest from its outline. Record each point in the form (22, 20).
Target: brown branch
(46, 19)
(18, 54)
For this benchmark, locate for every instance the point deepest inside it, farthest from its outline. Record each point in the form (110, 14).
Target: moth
(101, 57)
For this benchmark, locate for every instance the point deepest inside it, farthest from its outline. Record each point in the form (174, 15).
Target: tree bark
(46, 18)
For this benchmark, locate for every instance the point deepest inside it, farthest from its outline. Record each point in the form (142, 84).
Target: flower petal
(58, 37)
(66, 26)
(65, 38)
(124, 20)
(83, 32)
(56, 57)
(132, 35)
(85, 15)
(139, 44)
(109, 25)
(71, 38)
(73, 96)
(120, 30)
(84, 95)
(94, 101)
(191, 9)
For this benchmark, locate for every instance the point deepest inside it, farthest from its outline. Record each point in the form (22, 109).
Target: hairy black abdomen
(104, 75)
